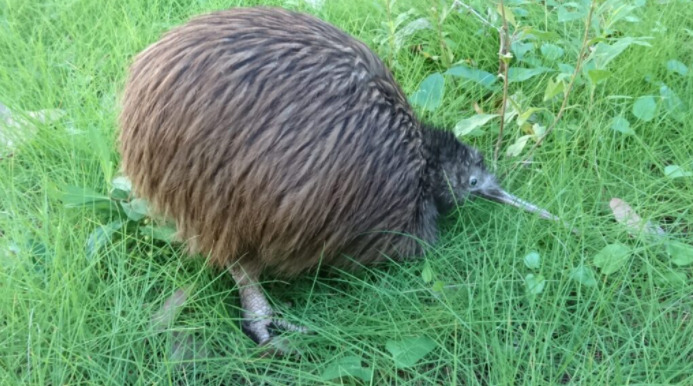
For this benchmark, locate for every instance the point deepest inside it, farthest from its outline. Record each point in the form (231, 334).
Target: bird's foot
(266, 333)
(259, 322)
(263, 330)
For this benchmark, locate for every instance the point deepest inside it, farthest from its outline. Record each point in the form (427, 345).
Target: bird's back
(274, 137)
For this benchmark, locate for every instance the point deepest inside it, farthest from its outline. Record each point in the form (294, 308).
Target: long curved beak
(500, 195)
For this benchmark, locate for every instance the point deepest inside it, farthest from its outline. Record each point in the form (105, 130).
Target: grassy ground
(71, 317)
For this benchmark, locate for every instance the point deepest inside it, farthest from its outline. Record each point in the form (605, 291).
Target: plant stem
(439, 29)
(391, 34)
(503, 59)
(458, 3)
(568, 90)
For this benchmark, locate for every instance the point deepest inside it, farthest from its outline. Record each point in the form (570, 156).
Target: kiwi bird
(277, 143)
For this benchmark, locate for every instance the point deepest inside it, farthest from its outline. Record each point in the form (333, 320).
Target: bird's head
(458, 173)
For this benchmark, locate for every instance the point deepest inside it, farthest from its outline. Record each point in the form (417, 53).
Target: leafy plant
(532, 260)
(407, 352)
(120, 209)
(535, 283)
(611, 258)
(534, 53)
(584, 275)
(396, 32)
(348, 366)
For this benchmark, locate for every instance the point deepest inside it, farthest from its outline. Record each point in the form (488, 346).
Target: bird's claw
(264, 332)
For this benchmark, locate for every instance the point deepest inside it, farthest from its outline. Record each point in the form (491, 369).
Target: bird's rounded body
(278, 143)
(275, 139)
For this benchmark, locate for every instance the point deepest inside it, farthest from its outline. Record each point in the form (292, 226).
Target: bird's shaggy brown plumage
(278, 143)
(274, 137)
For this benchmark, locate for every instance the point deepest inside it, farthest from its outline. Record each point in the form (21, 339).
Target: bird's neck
(435, 143)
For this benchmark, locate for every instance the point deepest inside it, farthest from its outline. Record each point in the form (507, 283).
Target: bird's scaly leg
(258, 317)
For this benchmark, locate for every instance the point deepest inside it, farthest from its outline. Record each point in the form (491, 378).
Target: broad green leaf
(553, 89)
(349, 366)
(603, 53)
(118, 194)
(136, 209)
(611, 258)
(427, 273)
(516, 148)
(584, 275)
(551, 52)
(101, 236)
(672, 103)
(677, 67)
(520, 48)
(123, 183)
(514, 105)
(541, 35)
(565, 72)
(522, 118)
(621, 125)
(402, 35)
(402, 17)
(409, 351)
(535, 284)
(622, 12)
(597, 75)
(468, 125)
(675, 171)
(518, 74)
(121, 187)
(681, 254)
(486, 79)
(572, 10)
(673, 279)
(532, 62)
(644, 108)
(430, 93)
(538, 130)
(532, 260)
(75, 196)
(519, 11)
(159, 232)
(438, 286)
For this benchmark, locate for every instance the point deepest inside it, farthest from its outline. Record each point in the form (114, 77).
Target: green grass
(70, 318)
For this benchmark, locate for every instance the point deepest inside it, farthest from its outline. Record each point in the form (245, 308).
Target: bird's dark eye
(472, 181)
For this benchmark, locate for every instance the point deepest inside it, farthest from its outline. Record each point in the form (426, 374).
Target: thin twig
(503, 59)
(471, 10)
(391, 35)
(566, 94)
(439, 28)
